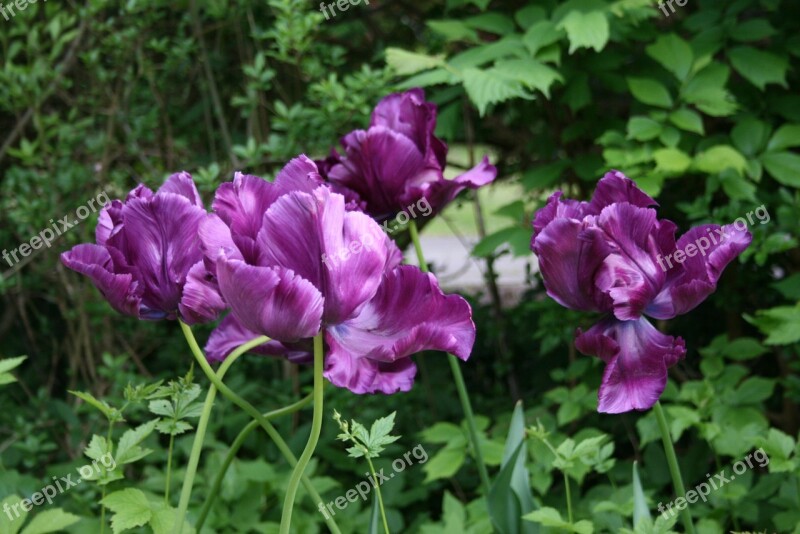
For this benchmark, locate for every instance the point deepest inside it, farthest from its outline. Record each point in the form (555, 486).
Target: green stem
(313, 438)
(103, 491)
(169, 469)
(237, 444)
(378, 490)
(250, 409)
(205, 415)
(569, 498)
(672, 461)
(459, 379)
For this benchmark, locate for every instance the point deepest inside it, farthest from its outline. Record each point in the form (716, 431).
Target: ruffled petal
(385, 331)
(408, 114)
(637, 357)
(242, 203)
(161, 241)
(363, 375)
(629, 274)
(230, 335)
(615, 188)
(442, 191)
(122, 291)
(558, 208)
(569, 256)
(272, 301)
(341, 253)
(201, 301)
(688, 284)
(109, 222)
(182, 184)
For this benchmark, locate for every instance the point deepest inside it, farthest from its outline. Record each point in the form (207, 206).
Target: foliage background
(700, 107)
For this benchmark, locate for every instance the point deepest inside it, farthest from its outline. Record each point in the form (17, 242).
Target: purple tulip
(398, 160)
(146, 248)
(613, 255)
(291, 261)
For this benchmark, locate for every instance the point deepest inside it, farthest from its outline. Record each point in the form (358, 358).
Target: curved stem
(234, 448)
(205, 415)
(672, 461)
(313, 438)
(378, 490)
(463, 396)
(250, 409)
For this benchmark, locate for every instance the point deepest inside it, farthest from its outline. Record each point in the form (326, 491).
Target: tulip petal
(342, 253)
(182, 184)
(272, 301)
(362, 375)
(161, 235)
(121, 290)
(442, 191)
(385, 331)
(637, 357)
(689, 283)
(242, 203)
(300, 174)
(615, 188)
(201, 301)
(230, 335)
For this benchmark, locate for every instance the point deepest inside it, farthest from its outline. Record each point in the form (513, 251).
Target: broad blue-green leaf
(586, 30)
(640, 509)
(674, 54)
(649, 91)
(760, 68)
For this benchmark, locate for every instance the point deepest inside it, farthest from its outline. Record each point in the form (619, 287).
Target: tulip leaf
(640, 508)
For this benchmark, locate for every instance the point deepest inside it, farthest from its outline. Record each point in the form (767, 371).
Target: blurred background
(697, 103)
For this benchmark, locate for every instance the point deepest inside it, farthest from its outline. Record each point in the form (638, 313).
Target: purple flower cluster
(602, 256)
(259, 254)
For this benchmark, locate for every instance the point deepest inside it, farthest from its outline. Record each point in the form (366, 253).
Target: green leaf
(442, 432)
(718, 158)
(688, 120)
(750, 135)
(752, 30)
(671, 160)
(128, 449)
(375, 522)
(781, 324)
(445, 463)
(586, 30)
(783, 166)
(532, 73)
(453, 30)
(54, 520)
(504, 506)
(754, 390)
(10, 364)
(485, 87)
(544, 176)
(550, 517)
(97, 448)
(787, 136)
(103, 406)
(517, 238)
(744, 348)
(640, 509)
(404, 62)
(130, 507)
(14, 524)
(760, 68)
(706, 90)
(495, 23)
(650, 92)
(540, 35)
(643, 128)
(674, 54)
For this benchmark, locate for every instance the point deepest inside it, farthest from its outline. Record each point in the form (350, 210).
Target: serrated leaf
(130, 508)
(97, 448)
(540, 35)
(485, 87)
(586, 30)
(128, 449)
(532, 73)
(88, 398)
(404, 62)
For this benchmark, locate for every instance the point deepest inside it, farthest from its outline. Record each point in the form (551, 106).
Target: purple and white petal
(201, 301)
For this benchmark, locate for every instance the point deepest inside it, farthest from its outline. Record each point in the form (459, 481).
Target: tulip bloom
(398, 160)
(145, 249)
(268, 244)
(608, 255)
